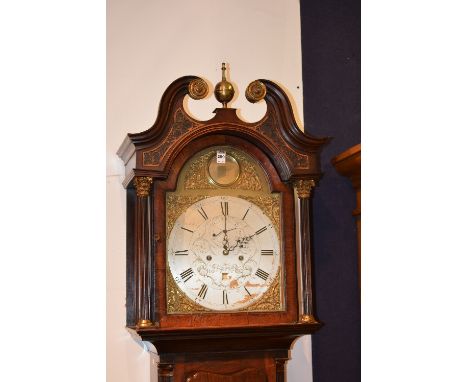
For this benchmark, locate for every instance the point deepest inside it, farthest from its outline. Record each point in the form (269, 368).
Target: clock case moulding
(153, 160)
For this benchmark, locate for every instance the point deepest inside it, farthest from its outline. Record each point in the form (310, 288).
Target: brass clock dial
(224, 253)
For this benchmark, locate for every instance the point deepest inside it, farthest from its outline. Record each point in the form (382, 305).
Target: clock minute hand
(225, 219)
(242, 240)
(225, 239)
(225, 231)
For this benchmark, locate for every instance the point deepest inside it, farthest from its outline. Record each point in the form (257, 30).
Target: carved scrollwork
(198, 89)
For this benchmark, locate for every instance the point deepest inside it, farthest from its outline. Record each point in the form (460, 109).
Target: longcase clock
(219, 260)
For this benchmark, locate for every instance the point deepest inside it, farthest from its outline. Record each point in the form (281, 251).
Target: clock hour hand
(225, 244)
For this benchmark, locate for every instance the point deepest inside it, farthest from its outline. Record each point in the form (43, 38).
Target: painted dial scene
(223, 253)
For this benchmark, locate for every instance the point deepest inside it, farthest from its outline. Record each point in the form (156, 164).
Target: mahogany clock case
(285, 153)
(238, 344)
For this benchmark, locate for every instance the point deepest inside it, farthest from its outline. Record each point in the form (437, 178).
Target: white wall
(150, 43)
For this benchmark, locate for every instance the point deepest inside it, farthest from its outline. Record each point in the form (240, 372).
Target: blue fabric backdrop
(331, 79)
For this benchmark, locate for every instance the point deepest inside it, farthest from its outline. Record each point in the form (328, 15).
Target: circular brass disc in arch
(224, 174)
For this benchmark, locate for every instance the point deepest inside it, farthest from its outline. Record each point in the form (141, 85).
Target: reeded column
(281, 369)
(143, 250)
(303, 190)
(165, 372)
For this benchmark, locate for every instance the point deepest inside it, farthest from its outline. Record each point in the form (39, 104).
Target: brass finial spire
(223, 69)
(224, 91)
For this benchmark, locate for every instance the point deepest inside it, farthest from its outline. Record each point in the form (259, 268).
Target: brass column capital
(142, 185)
(303, 187)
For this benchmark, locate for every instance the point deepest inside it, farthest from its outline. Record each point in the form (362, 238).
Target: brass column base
(144, 323)
(307, 319)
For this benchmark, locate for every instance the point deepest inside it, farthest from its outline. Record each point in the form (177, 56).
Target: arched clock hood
(295, 154)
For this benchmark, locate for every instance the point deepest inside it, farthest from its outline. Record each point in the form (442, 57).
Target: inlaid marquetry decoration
(269, 129)
(180, 125)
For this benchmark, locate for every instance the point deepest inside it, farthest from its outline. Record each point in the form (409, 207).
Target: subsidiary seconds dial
(223, 253)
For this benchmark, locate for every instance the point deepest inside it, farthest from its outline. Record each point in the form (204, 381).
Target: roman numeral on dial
(225, 208)
(203, 290)
(202, 212)
(246, 212)
(225, 298)
(247, 291)
(187, 274)
(263, 229)
(262, 274)
(181, 252)
(266, 252)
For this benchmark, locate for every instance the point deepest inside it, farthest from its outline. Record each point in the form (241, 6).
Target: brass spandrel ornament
(176, 204)
(271, 301)
(270, 205)
(197, 177)
(177, 301)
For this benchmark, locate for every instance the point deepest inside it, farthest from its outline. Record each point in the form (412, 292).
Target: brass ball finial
(224, 91)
